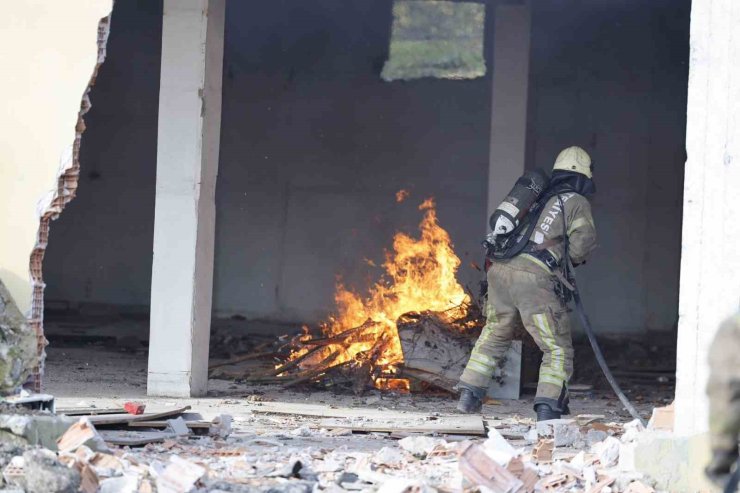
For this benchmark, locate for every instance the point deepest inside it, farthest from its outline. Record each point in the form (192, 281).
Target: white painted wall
(710, 275)
(48, 51)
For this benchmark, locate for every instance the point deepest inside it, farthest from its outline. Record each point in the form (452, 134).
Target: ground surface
(272, 436)
(101, 376)
(101, 360)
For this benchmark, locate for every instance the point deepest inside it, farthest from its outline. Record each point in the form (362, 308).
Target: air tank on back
(518, 201)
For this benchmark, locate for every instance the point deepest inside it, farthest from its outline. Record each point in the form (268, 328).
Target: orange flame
(419, 276)
(402, 195)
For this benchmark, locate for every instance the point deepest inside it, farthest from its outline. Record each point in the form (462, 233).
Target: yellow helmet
(574, 159)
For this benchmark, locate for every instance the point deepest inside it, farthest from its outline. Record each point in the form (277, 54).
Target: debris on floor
(135, 408)
(178, 451)
(662, 418)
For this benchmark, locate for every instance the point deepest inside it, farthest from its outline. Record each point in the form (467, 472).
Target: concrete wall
(315, 145)
(710, 275)
(48, 52)
(101, 247)
(614, 80)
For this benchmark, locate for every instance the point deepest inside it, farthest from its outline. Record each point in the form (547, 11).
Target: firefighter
(529, 290)
(723, 390)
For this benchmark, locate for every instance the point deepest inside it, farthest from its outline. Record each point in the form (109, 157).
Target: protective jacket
(548, 233)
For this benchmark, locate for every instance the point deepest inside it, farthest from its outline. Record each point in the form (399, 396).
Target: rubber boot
(545, 412)
(469, 403)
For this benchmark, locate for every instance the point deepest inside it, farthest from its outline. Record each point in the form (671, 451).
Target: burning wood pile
(434, 347)
(414, 328)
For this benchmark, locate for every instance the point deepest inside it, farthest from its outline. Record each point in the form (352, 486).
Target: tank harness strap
(540, 252)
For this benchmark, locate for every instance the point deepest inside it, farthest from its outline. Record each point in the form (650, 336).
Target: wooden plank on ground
(379, 419)
(163, 424)
(460, 425)
(122, 419)
(89, 411)
(133, 438)
(325, 411)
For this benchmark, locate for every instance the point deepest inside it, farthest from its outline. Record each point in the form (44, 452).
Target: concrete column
(509, 101)
(187, 165)
(710, 263)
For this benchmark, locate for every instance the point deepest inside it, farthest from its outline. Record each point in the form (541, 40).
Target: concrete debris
(390, 457)
(302, 431)
(405, 485)
(602, 485)
(221, 425)
(627, 457)
(578, 462)
(627, 478)
(543, 450)
(18, 341)
(555, 481)
(527, 473)
(121, 484)
(480, 470)
(45, 474)
(89, 481)
(107, 465)
(607, 451)
(595, 436)
(32, 428)
(568, 455)
(662, 419)
(531, 436)
(179, 476)
(178, 427)
(498, 448)
(632, 430)
(547, 428)
(589, 475)
(568, 435)
(420, 445)
(79, 434)
(8, 452)
(639, 487)
(14, 471)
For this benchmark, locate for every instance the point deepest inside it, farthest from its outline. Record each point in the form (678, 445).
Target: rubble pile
(299, 455)
(18, 340)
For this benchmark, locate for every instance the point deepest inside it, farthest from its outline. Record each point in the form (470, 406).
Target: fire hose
(581, 311)
(599, 355)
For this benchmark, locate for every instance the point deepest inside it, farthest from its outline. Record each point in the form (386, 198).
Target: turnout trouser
(522, 295)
